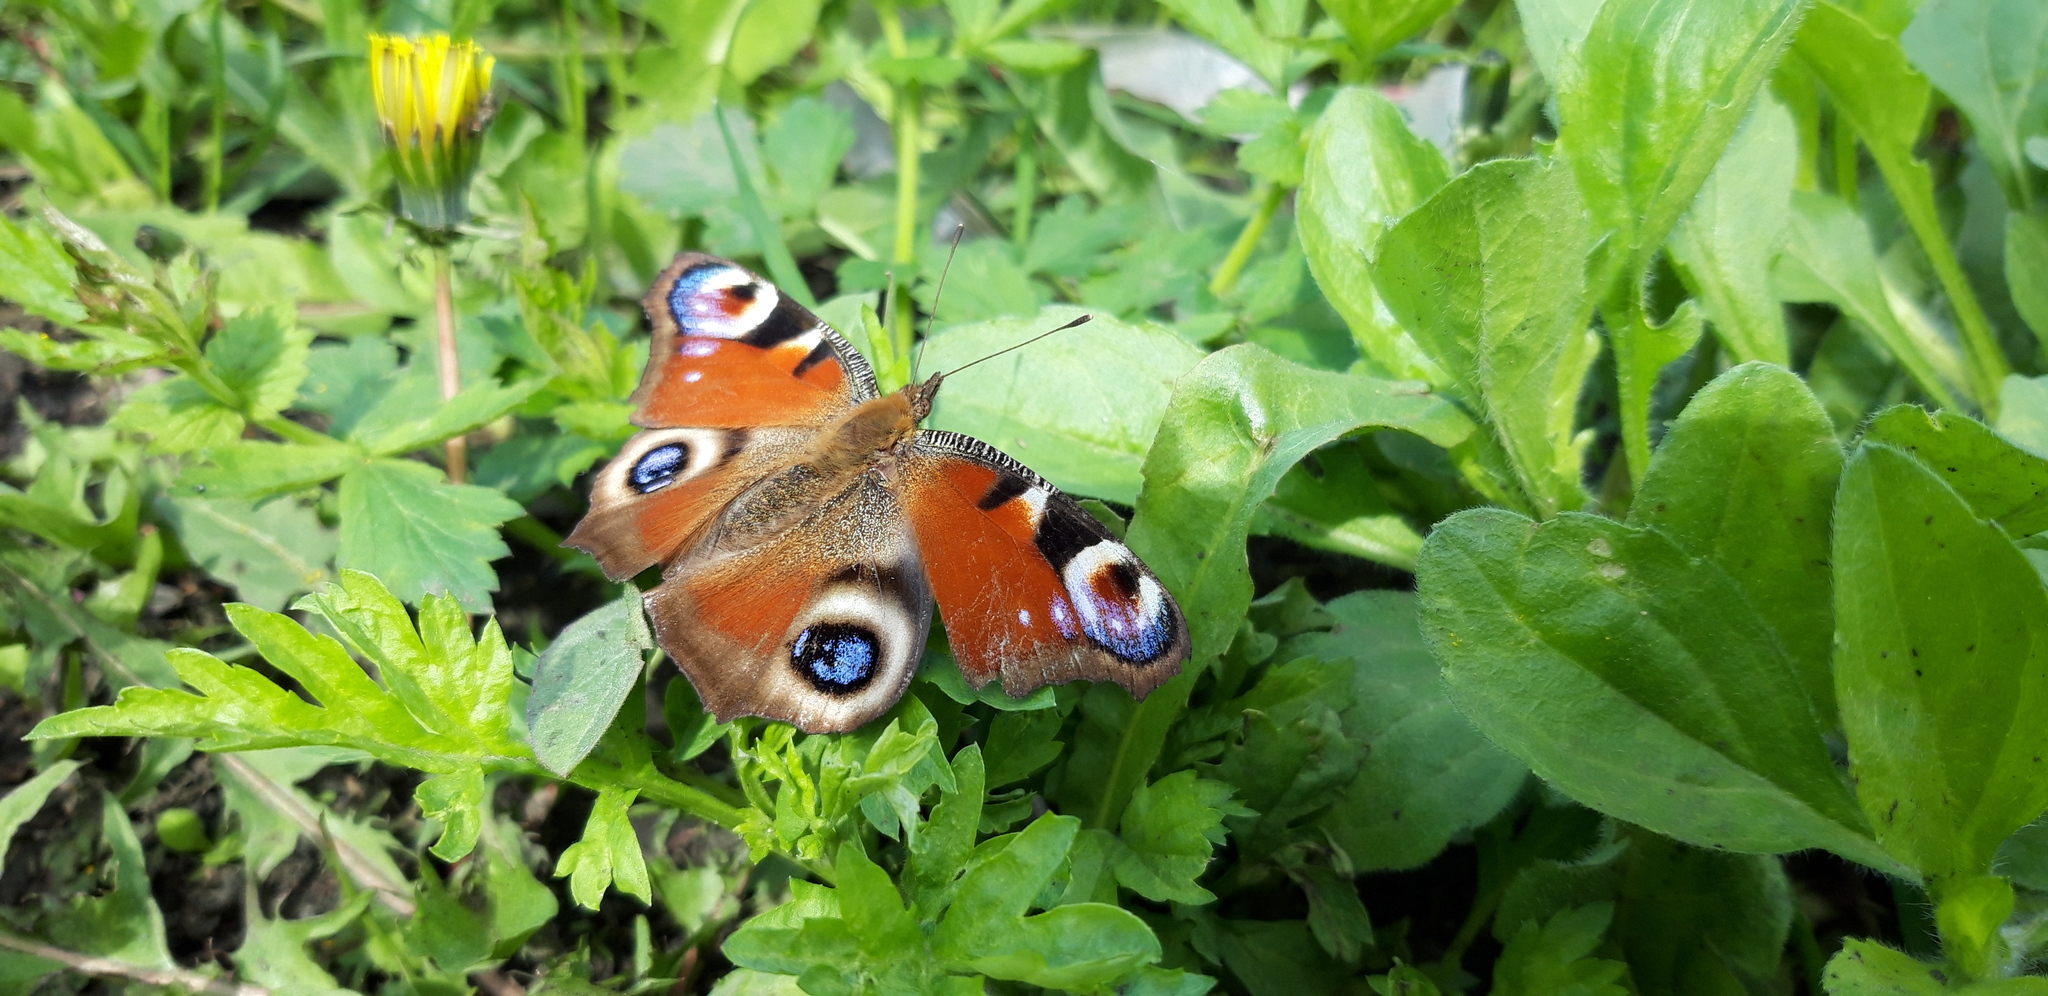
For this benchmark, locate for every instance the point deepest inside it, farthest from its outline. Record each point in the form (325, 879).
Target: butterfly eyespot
(1120, 608)
(721, 301)
(838, 658)
(658, 467)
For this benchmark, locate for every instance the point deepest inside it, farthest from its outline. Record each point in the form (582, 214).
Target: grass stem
(1247, 241)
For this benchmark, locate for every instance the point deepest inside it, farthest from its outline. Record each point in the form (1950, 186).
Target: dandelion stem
(451, 369)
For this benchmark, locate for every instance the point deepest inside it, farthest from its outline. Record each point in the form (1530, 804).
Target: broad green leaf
(1877, 91)
(403, 522)
(37, 272)
(1081, 407)
(1726, 240)
(1377, 25)
(1637, 679)
(1746, 478)
(1942, 667)
(1557, 957)
(2023, 413)
(1554, 28)
(1695, 922)
(607, 855)
(1828, 257)
(1991, 58)
(519, 903)
(267, 552)
(240, 709)
(1650, 98)
(2026, 268)
(1169, 831)
(1237, 422)
(1867, 968)
(26, 799)
(1969, 913)
(1021, 743)
(255, 469)
(1336, 505)
(1429, 775)
(1365, 169)
(1488, 275)
(1068, 947)
(581, 680)
(1999, 481)
(1227, 24)
(940, 851)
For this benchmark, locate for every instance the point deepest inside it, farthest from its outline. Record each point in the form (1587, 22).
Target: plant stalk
(450, 359)
(218, 69)
(1247, 240)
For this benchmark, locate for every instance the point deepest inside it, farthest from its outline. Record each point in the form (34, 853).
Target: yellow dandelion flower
(432, 97)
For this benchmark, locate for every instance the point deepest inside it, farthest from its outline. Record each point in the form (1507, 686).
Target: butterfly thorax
(873, 433)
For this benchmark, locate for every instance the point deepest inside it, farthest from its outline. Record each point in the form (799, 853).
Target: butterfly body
(806, 524)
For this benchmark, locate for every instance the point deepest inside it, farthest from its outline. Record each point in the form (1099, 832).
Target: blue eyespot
(838, 658)
(720, 301)
(658, 467)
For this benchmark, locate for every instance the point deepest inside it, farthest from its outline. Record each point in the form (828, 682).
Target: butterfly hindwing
(730, 350)
(665, 484)
(801, 603)
(1033, 589)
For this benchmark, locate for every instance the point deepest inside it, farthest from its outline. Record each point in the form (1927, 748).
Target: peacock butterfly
(805, 524)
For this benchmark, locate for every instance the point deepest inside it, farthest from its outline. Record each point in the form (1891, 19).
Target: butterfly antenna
(1083, 320)
(937, 296)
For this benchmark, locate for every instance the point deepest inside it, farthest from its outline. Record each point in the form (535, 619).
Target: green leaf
(1168, 833)
(1554, 29)
(940, 851)
(1365, 169)
(1698, 921)
(255, 469)
(1237, 422)
(1874, 88)
(117, 917)
(26, 799)
(1404, 980)
(1969, 914)
(1429, 775)
(582, 678)
(1828, 257)
(1999, 481)
(1991, 58)
(273, 952)
(1557, 957)
(1650, 98)
(1725, 242)
(2023, 413)
(461, 724)
(1226, 23)
(179, 416)
(1942, 666)
(403, 522)
(1488, 275)
(1081, 407)
(1635, 678)
(608, 854)
(1867, 968)
(392, 430)
(1068, 947)
(37, 273)
(261, 356)
(1746, 479)
(1021, 743)
(1278, 958)
(455, 800)
(267, 552)
(2026, 268)
(1335, 504)
(1336, 916)
(1377, 25)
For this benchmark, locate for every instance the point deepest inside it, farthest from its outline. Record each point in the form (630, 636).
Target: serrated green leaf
(1727, 239)
(1998, 480)
(1746, 478)
(1556, 957)
(391, 431)
(38, 273)
(121, 921)
(1168, 833)
(261, 356)
(179, 416)
(1488, 275)
(1429, 775)
(1364, 169)
(939, 852)
(1941, 666)
(1377, 25)
(267, 552)
(256, 469)
(1635, 678)
(582, 678)
(1228, 25)
(273, 952)
(608, 854)
(403, 522)
(455, 800)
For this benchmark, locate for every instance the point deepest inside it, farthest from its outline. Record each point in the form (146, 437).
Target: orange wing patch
(729, 384)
